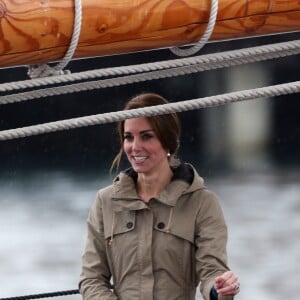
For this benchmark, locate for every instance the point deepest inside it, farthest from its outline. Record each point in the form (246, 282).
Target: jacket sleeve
(95, 275)
(210, 241)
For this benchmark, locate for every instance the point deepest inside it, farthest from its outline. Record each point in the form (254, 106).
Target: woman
(157, 231)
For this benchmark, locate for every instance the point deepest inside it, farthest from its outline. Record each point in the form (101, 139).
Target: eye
(147, 136)
(128, 137)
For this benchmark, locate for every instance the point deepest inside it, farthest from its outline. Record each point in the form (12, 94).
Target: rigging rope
(44, 295)
(44, 70)
(269, 91)
(214, 60)
(207, 34)
(164, 70)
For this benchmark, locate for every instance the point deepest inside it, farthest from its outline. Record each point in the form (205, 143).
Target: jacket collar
(185, 180)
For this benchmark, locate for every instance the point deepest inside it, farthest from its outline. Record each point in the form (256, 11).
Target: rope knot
(44, 70)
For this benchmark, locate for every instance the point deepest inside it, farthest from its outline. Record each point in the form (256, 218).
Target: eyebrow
(141, 132)
(145, 131)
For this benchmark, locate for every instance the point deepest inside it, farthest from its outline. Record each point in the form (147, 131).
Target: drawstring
(170, 219)
(112, 229)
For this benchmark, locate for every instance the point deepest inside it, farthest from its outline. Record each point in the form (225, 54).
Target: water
(43, 215)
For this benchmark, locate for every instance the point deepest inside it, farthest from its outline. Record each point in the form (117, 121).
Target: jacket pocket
(183, 231)
(178, 223)
(176, 248)
(118, 223)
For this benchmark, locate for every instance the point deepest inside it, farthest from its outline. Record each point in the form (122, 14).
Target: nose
(136, 144)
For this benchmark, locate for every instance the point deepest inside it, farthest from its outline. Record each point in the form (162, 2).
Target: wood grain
(34, 31)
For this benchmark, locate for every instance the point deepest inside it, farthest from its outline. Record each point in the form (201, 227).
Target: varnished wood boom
(40, 31)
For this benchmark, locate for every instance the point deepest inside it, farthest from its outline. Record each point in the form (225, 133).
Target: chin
(140, 169)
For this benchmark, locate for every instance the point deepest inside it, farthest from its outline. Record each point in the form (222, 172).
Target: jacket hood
(185, 180)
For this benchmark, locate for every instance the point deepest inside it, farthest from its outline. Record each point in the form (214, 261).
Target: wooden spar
(39, 31)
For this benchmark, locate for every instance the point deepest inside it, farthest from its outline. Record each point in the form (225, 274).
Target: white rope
(119, 81)
(194, 64)
(269, 91)
(44, 70)
(206, 36)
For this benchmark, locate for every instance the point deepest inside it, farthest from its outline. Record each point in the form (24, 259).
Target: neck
(151, 185)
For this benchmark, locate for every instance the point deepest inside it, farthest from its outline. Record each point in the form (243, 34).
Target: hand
(227, 284)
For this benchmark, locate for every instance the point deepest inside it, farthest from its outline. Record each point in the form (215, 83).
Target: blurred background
(247, 152)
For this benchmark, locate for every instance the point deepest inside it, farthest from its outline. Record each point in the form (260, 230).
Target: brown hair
(166, 127)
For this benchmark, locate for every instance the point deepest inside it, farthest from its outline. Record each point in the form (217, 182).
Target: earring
(168, 154)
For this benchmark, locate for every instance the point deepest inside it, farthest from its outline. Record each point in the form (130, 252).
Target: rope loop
(45, 70)
(207, 34)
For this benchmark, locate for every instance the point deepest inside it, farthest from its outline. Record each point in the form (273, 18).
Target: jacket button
(129, 225)
(161, 225)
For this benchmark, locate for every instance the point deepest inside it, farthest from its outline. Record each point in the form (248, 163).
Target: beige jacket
(158, 250)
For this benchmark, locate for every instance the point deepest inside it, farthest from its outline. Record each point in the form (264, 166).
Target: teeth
(139, 158)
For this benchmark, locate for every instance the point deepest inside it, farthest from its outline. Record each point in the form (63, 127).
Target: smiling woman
(157, 231)
(166, 128)
(143, 149)
(149, 144)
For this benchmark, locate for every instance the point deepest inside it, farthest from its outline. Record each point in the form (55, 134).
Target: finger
(227, 292)
(231, 289)
(232, 279)
(221, 280)
(228, 275)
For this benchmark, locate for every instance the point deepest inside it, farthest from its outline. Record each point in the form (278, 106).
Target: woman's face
(142, 147)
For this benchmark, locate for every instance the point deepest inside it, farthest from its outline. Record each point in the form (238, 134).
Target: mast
(39, 31)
